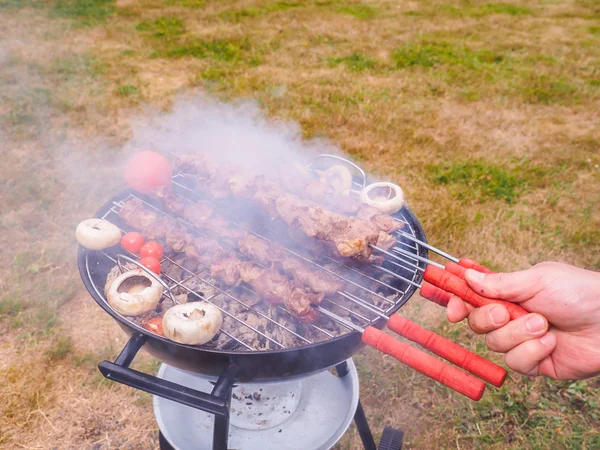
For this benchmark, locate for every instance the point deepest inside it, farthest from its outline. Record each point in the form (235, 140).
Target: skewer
(449, 278)
(424, 363)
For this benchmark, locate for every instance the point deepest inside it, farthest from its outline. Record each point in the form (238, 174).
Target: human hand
(561, 336)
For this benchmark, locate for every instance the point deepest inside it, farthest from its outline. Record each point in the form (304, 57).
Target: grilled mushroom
(192, 323)
(387, 198)
(338, 177)
(97, 234)
(134, 293)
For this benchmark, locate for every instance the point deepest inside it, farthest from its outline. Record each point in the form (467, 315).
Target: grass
(165, 28)
(480, 180)
(485, 113)
(84, 12)
(355, 62)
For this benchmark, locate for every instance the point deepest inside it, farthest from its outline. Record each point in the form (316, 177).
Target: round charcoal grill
(395, 282)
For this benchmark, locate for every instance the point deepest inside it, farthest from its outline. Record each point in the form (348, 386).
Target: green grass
(471, 10)
(547, 89)
(10, 305)
(166, 28)
(187, 3)
(480, 180)
(431, 54)
(61, 347)
(355, 62)
(259, 10)
(359, 11)
(128, 90)
(84, 12)
(219, 49)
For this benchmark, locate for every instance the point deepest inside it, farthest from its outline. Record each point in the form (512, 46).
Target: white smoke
(232, 132)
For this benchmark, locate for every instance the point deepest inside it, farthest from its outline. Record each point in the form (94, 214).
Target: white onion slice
(193, 323)
(387, 198)
(134, 293)
(97, 234)
(338, 177)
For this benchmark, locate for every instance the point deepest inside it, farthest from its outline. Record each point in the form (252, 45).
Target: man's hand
(561, 336)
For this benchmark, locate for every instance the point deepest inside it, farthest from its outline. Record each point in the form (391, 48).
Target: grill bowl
(254, 365)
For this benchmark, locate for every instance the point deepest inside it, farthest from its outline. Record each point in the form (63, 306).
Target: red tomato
(132, 242)
(151, 263)
(153, 249)
(147, 170)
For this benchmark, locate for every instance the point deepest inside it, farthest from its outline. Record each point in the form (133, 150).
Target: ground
(486, 113)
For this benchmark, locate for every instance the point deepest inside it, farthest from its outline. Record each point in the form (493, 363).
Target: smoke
(231, 132)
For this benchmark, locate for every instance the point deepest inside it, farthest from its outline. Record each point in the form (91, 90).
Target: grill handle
(422, 362)
(451, 283)
(450, 351)
(119, 371)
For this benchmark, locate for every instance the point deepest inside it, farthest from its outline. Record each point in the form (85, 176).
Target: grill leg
(221, 432)
(363, 428)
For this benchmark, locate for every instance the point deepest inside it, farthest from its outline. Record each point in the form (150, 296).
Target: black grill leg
(221, 432)
(391, 439)
(363, 428)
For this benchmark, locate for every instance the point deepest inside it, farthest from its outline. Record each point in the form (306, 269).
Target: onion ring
(387, 198)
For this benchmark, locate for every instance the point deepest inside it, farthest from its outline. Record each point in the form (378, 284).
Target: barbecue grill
(371, 298)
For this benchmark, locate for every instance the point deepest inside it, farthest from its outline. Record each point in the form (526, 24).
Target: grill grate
(359, 309)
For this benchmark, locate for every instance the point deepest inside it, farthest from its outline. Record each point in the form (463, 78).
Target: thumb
(513, 287)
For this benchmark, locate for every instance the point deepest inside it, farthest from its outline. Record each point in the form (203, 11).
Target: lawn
(487, 114)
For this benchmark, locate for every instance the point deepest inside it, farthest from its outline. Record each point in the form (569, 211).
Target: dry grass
(486, 113)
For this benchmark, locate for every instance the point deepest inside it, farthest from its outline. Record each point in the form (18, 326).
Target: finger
(488, 318)
(526, 357)
(457, 310)
(514, 286)
(516, 332)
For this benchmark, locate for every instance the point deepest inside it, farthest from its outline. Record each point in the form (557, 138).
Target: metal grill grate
(356, 300)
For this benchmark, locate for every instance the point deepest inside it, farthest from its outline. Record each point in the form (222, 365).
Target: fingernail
(547, 339)
(535, 324)
(474, 275)
(498, 315)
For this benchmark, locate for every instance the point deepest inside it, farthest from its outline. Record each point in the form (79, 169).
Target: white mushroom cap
(193, 323)
(134, 293)
(97, 234)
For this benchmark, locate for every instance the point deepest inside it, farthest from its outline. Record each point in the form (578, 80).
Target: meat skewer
(268, 283)
(351, 236)
(273, 287)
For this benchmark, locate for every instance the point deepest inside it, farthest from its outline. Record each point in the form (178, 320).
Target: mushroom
(338, 177)
(97, 234)
(193, 323)
(387, 198)
(134, 293)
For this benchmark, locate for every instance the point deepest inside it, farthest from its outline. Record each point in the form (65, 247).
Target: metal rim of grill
(411, 269)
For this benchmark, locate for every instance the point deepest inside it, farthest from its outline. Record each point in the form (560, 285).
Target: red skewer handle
(441, 297)
(470, 264)
(426, 364)
(450, 351)
(453, 284)
(435, 294)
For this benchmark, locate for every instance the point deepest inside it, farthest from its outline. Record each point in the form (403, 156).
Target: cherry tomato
(154, 325)
(151, 263)
(148, 170)
(132, 242)
(153, 249)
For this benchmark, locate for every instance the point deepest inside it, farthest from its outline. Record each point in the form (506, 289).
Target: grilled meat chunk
(350, 235)
(269, 253)
(384, 222)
